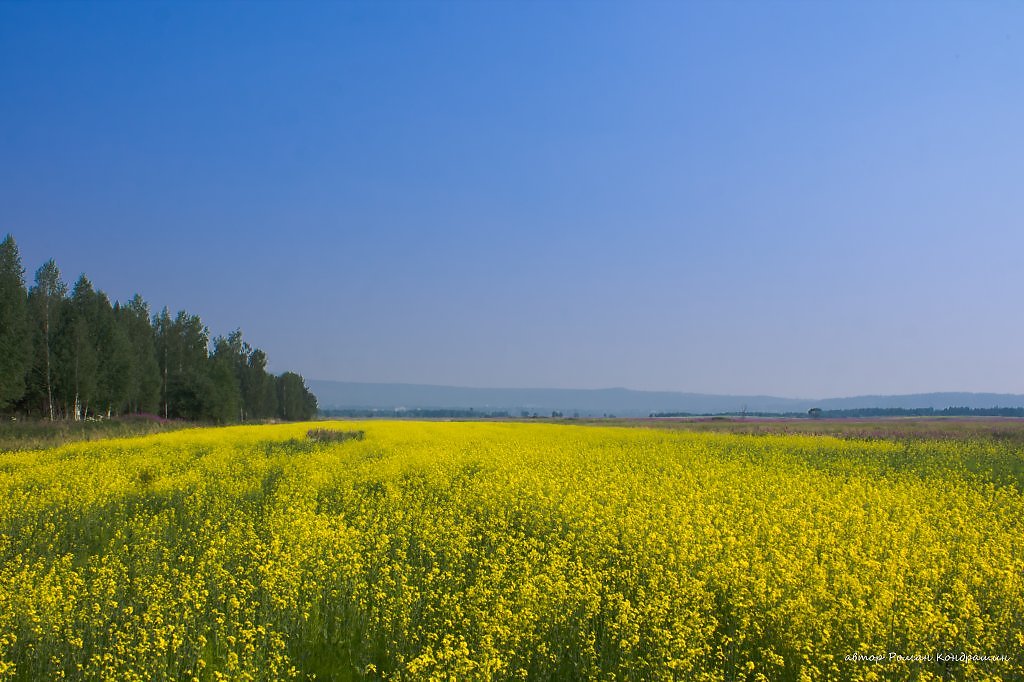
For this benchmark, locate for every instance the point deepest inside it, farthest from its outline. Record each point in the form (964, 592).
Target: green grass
(1004, 429)
(40, 435)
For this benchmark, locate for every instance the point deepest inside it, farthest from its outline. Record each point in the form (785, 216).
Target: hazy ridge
(619, 401)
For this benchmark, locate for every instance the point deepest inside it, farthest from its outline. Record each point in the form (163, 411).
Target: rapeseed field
(479, 551)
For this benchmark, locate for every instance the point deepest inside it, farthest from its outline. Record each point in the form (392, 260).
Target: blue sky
(799, 199)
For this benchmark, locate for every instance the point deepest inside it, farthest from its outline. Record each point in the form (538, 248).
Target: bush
(332, 436)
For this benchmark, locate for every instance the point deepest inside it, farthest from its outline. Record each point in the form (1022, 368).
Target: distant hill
(621, 402)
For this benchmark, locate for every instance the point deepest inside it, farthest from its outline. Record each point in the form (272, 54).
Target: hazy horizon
(651, 390)
(784, 199)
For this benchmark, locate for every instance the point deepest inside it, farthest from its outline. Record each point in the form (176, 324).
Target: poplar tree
(225, 396)
(80, 355)
(144, 383)
(115, 360)
(15, 341)
(78, 365)
(268, 404)
(258, 389)
(183, 357)
(46, 302)
(295, 402)
(163, 342)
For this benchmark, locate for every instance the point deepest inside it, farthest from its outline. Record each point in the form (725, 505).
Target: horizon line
(683, 392)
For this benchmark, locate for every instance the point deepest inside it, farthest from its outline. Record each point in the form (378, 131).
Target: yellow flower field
(469, 551)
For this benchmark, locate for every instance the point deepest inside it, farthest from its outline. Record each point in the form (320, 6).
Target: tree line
(74, 354)
(414, 413)
(923, 412)
(860, 412)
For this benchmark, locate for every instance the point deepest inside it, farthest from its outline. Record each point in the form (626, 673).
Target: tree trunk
(76, 385)
(46, 339)
(165, 378)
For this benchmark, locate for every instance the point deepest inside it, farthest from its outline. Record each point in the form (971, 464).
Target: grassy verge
(1006, 429)
(37, 435)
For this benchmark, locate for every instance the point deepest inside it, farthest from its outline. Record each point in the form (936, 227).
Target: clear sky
(799, 199)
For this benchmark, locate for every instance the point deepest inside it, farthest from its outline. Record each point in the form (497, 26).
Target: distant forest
(869, 412)
(414, 413)
(925, 412)
(75, 355)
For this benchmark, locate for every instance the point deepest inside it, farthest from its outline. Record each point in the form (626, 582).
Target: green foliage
(334, 436)
(225, 393)
(15, 341)
(182, 345)
(116, 359)
(295, 402)
(47, 300)
(76, 354)
(81, 356)
(143, 390)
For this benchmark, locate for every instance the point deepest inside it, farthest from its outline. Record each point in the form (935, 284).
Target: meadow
(465, 551)
(866, 428)
(41, 434)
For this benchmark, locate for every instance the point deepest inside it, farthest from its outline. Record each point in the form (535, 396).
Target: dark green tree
(225, 398)
(163, 344)
(15, 340)
(182, 353)
(258, 389)
(233, 353)
(250, 368)
(77, 375)
(46, 302)
(295, 402)
(116, 361)
(144, 382)
(268, 404)
(82, 355)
